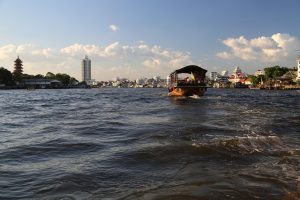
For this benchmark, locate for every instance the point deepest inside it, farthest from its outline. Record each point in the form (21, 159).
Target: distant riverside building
(237, 76)
(223, 78)
(116, 79)
(42, 83)
(248, 81)
(86, 69)
(259, 73)
(298, 74)
(156, 78)
(140, 82)
(213, 76)
(91, 82)
(168, 80)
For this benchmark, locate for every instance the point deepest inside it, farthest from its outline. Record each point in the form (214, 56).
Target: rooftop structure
(41, 83)
(259, 73)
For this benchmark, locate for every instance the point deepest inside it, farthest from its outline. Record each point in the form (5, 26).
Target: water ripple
(142, 144)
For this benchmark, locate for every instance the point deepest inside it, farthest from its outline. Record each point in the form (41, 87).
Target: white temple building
(237, 76)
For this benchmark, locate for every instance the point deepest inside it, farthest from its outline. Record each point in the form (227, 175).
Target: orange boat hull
(187, 91)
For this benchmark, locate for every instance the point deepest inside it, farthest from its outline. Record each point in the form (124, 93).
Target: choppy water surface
(142, 144)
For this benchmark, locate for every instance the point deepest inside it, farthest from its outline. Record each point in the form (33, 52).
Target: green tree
(82, 83)
(5, 76)
(73, 81)
(261, 78)
(17, 73)
(39, 76)
(275, 71)
(255, 80)
(269, 71)
(280, 71)
(63, 78)
(27, 76)
(50, 75)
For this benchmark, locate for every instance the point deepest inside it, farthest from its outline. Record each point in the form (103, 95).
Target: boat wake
(195, 96)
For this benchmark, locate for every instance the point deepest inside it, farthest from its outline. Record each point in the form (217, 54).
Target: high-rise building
(86, 69)
(213, 76)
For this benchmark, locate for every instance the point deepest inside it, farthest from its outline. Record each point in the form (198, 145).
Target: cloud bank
(108, 61)
(276, 48)
(142, 59)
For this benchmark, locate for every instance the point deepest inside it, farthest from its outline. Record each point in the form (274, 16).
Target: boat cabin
(197, 76)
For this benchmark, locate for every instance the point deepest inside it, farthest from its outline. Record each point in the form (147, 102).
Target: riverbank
(88, 87)
(33, 88)
(284, 87)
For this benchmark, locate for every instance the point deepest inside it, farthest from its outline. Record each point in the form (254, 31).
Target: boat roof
(189, 69)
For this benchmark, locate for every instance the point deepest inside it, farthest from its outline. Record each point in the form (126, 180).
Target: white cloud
(152, 63)
(275, 48)
(76, 50)
(224, 55)
(236, 42)
(263, 42)
(110, 50)
(24, 48)
(7, 50)
(180, 60)
(48, 52)
(113, 27)
(72, 50)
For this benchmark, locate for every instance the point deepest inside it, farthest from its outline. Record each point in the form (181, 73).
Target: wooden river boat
(190, 86)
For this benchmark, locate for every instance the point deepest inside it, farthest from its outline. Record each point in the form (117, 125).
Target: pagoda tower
(17, 73)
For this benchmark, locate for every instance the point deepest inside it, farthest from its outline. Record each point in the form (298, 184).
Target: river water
(142, 144)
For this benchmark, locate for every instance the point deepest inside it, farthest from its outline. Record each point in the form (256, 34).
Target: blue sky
(151, 37)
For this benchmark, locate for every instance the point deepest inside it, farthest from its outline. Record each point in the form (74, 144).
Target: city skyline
(133, 38)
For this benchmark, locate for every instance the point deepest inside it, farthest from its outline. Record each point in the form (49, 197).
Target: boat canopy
(190, 69)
